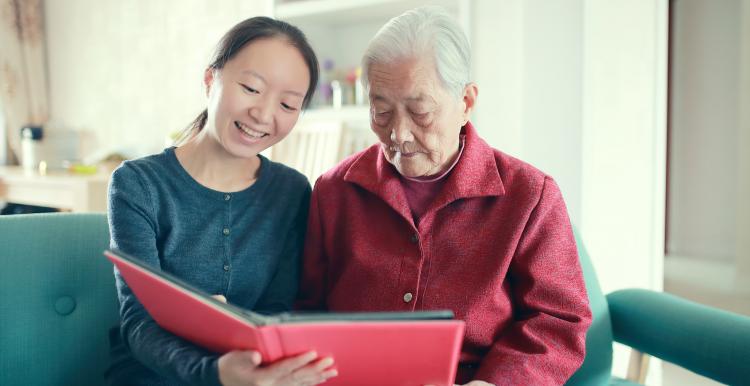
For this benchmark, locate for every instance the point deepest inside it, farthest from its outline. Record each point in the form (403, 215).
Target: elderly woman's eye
(381, 116)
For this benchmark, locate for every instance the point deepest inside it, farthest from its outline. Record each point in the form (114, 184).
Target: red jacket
(496, 247)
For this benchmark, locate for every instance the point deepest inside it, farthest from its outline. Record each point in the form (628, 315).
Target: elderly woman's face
(417, 121)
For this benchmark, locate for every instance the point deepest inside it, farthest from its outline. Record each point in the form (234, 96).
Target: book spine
(274, 350)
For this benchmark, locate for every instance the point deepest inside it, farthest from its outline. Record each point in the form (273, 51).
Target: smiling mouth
(248, 131)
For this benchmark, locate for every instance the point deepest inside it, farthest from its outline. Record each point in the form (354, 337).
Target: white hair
(420, 32)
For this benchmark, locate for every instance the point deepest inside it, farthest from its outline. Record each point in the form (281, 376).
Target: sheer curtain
(23, 76)
(3, 142)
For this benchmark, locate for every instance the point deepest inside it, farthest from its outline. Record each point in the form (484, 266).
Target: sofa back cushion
(57, 299)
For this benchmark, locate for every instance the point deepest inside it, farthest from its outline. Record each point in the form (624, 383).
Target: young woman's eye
(288, 107)
(249, 89)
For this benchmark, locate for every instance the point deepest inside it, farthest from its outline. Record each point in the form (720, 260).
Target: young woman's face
(255, 100)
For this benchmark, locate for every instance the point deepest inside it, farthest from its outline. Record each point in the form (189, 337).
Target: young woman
(219, 215)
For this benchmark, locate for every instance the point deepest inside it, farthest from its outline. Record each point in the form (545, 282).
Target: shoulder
(522, 179)
(285, 172)
(284, 178)
(519, 179)
(146, 167)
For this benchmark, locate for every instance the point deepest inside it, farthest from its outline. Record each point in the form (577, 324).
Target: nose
(262, 111)
(401, 132)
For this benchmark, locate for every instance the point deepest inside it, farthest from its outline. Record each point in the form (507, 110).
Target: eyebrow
(255, 74)
(262, 79)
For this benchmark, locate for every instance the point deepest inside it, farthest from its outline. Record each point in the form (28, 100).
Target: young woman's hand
(242, 368)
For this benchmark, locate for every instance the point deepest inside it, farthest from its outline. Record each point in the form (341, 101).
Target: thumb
(255, 358)
(247, 358)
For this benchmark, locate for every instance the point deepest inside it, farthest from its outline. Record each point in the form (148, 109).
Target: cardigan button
(415, 238)
(407, 297)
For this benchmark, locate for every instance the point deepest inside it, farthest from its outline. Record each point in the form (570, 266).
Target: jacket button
(227, 197)
(226, 231)
(407, 297)
(414, 238)
(226, 267)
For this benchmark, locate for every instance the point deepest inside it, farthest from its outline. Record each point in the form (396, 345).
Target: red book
(371, 348)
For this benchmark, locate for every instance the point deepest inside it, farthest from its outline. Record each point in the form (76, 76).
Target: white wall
(130, 72)
(704, 126)
(527, 63)
(498, 69)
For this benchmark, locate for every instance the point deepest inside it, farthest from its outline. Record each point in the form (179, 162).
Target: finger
(315, 373)
(322, 364)
(287, 366)
(315, 378)
(253, 357)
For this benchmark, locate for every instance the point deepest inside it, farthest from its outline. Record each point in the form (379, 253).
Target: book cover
(378, 348)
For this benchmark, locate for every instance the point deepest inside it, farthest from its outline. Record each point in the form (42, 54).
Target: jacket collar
(475, 175)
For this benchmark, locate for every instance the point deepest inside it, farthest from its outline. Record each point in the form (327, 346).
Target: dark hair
(247, 31)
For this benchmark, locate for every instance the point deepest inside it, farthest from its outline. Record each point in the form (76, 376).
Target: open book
(378, 348)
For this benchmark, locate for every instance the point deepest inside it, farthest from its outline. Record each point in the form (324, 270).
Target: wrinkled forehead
(402, 78)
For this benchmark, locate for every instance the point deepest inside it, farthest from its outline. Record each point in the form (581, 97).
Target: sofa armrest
(705, 340)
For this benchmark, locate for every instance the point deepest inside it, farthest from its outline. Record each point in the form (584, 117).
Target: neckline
(264, 175)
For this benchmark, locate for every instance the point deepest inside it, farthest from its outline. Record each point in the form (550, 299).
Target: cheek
(380, 131)
(285, 123)
(227, 105)
(428, 138)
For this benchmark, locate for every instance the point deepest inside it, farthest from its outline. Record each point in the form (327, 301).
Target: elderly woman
(432, 217)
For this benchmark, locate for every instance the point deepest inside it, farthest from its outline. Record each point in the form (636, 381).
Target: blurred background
(638, 108)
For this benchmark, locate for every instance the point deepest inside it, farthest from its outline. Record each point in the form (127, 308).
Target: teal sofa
(57, 302)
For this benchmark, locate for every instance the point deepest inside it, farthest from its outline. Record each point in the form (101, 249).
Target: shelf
(350, 11)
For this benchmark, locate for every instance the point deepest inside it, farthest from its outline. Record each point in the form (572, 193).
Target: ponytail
(193, 128)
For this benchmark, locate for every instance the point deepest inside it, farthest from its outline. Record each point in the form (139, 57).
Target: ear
(469, 99)
(208, 79)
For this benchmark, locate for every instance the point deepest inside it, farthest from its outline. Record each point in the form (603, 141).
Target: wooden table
(56, 189)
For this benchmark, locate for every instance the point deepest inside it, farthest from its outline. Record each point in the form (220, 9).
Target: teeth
(249, 131)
